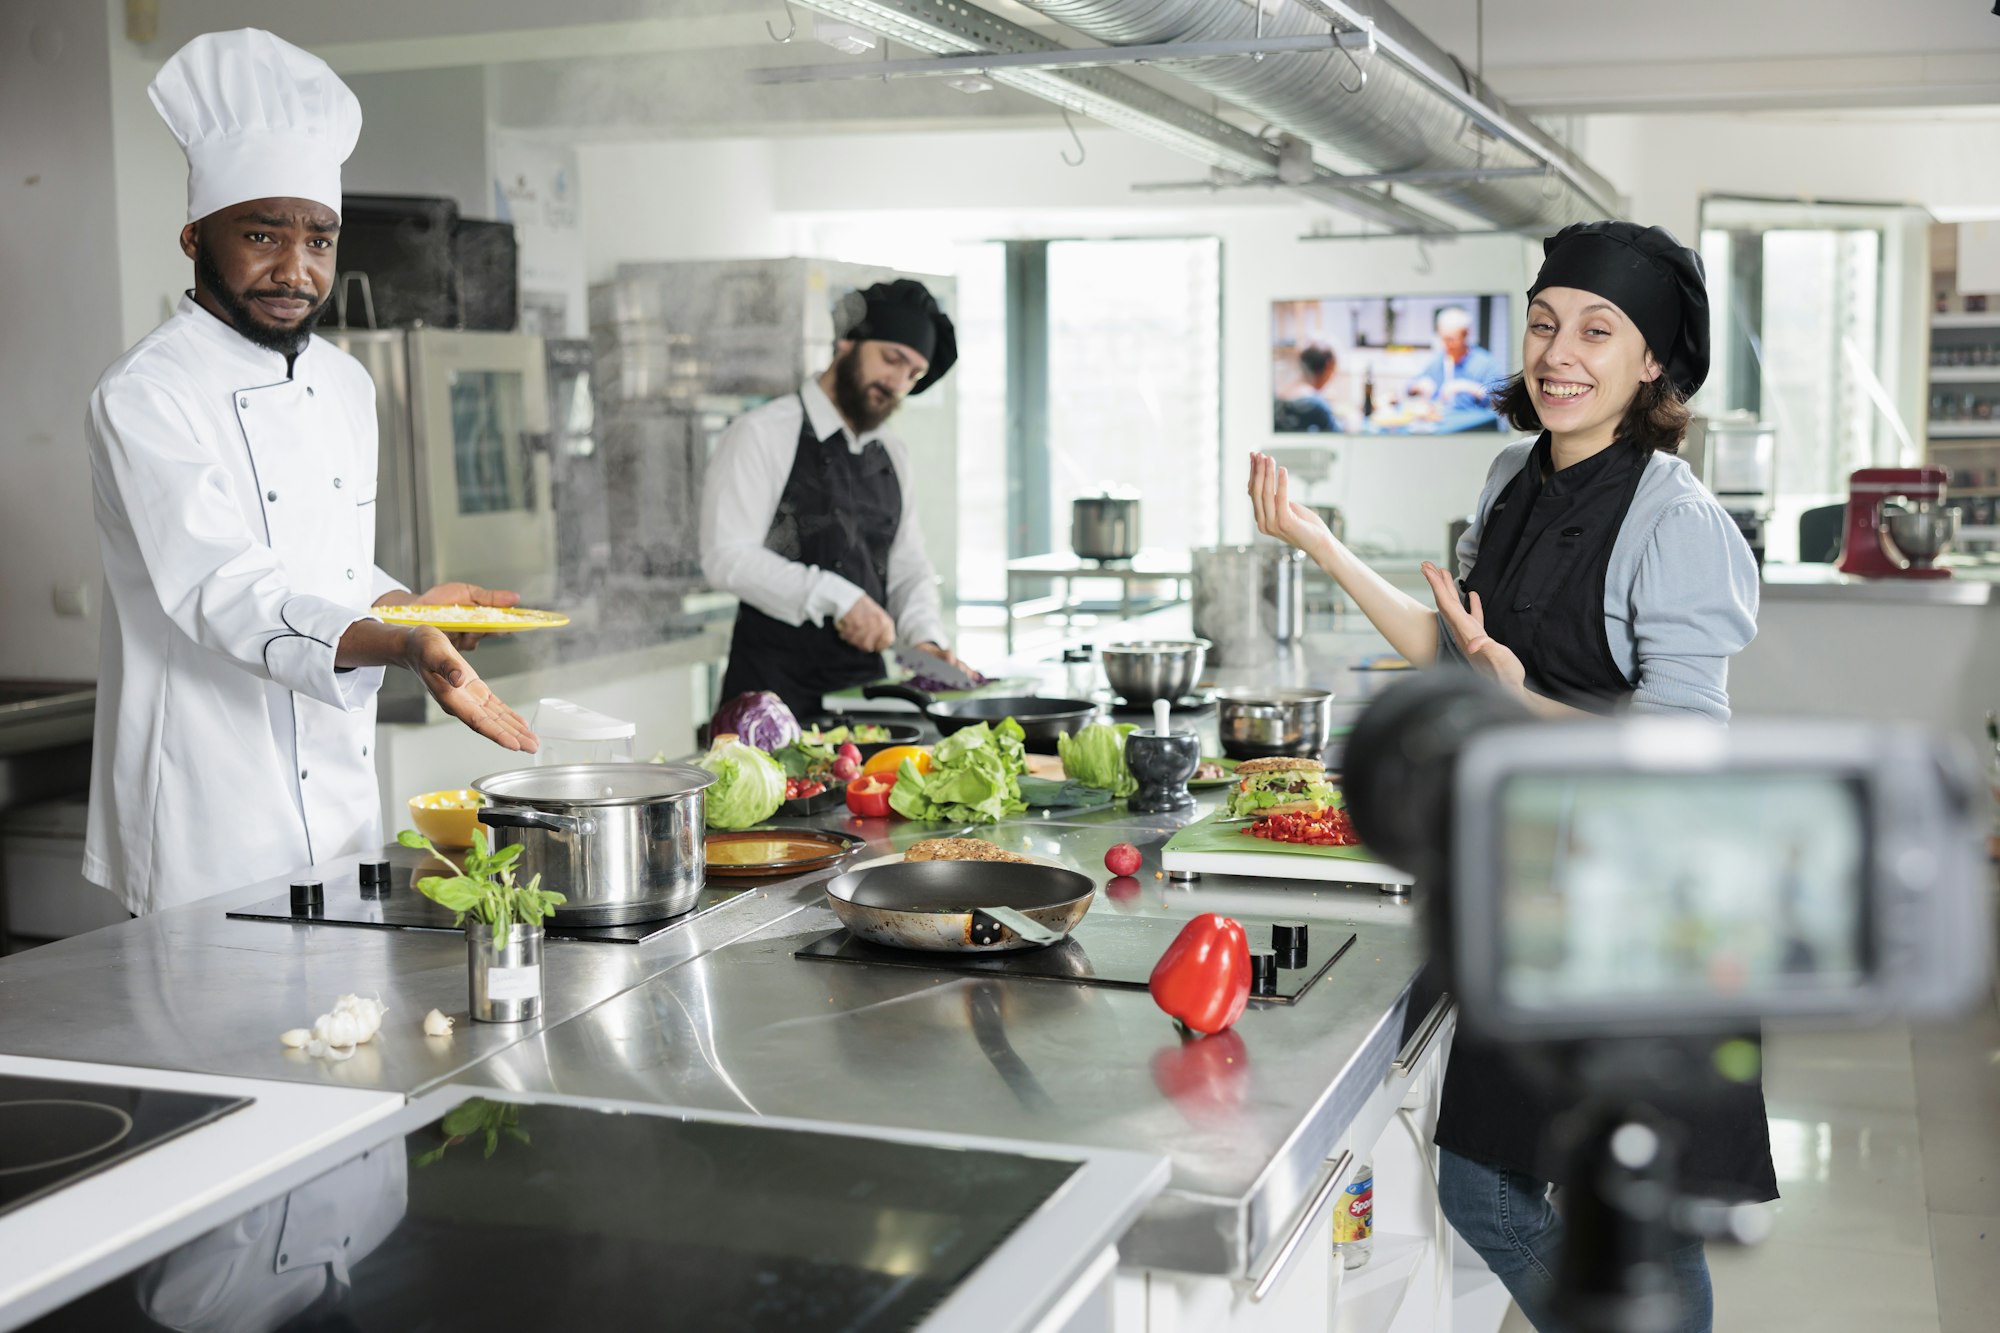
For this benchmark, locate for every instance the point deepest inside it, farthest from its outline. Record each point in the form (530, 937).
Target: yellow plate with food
(447, 818)
(473, 619)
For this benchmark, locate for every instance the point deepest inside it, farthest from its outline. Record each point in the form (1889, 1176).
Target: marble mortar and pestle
(1162, 760)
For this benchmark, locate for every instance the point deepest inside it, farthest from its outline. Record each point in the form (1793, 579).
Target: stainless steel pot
(1263, 723)
(622, 841)
(1163, 669)
(1104, 527)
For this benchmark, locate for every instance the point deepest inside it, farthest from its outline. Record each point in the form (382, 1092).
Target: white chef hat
(258, 119)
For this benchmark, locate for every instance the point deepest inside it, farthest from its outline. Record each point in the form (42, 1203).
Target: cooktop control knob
(308, 895)
(1263, 972)
(374, 879)
(1288, 941)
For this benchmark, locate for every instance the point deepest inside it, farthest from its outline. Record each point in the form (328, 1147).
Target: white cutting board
(1270, 865)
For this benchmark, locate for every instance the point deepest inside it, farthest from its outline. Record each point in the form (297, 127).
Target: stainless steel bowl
(1157, 669)
(1922, 534)
(1261, 723)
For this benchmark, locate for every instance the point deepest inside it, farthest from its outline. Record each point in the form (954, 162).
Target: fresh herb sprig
(484, 888)
(479, 1118)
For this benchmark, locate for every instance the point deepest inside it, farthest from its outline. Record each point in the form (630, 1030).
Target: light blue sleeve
(1694, 606)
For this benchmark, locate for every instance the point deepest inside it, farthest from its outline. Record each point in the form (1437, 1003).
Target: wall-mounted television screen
(1389, 365)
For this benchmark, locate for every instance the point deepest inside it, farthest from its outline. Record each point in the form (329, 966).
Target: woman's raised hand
(1280, 516)
(1468, 627)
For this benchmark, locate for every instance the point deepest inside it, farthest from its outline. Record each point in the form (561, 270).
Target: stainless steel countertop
(1824, 583)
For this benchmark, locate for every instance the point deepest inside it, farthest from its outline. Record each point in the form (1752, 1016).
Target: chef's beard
(851, 396)
(286, 342)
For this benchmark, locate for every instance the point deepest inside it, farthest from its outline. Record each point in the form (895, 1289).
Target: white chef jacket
(236, 515)
(739, 499)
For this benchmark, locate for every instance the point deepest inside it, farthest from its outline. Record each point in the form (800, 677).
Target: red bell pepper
(1203, 979)
(1206, 1078)
(869, 797)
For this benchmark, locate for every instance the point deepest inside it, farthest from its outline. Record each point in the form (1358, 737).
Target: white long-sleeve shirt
(746, 479)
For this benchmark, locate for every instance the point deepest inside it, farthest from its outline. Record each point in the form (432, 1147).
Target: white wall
(59, 268)
(423, 132)
(678, 199)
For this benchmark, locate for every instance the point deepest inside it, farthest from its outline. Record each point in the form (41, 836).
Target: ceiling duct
(953, 27)
(1399, 120)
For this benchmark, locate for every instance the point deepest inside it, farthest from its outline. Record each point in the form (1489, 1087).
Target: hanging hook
(1423, 254)
(1076, 139)
(791, 25)
(1360, 72)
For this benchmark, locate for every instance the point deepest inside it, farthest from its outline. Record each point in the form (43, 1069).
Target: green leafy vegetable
(807, 758)
(861, 733)
(1095, 756)
(975, 777)
(484, 888)
(478, 1118)
(749, 785)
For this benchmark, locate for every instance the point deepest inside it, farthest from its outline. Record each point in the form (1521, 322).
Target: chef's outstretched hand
(455, 594)
(1468, 629)
(867, 626)
(460, 692)
(1280, 516)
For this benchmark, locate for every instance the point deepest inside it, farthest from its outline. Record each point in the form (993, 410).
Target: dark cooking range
(398, 906)
(1107, 950)
(53, 1133)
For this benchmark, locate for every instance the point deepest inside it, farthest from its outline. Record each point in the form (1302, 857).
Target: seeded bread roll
(1279, 765)
(961, 849)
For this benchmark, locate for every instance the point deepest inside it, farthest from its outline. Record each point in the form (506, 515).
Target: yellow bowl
(447, 818)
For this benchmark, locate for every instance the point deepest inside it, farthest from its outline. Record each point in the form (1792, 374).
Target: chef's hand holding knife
(435, 658)
(871, 629)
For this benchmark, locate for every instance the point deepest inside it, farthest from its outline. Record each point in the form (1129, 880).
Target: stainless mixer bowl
(1921, 534)
(1156, 669)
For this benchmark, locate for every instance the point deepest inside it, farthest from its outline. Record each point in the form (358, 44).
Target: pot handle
(909, 694)
(527, 817)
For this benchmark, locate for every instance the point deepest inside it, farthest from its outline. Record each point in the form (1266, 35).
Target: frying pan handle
(990, 924)
(909, 694)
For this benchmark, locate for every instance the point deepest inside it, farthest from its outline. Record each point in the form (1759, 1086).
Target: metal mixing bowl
(1262, 723)
(1156, 669)
(1922, 534)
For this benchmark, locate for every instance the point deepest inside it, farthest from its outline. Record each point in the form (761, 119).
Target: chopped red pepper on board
(1203, 979)
(1328, 828)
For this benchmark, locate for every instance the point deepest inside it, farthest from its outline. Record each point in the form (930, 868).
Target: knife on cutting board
(932, 667)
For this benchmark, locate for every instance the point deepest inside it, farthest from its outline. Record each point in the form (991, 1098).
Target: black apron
(1543, 552)
(839, 512)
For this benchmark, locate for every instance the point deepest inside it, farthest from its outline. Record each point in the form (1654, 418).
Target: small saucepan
(961, 906)
(1042, 720)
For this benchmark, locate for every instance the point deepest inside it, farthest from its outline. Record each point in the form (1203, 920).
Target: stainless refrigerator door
(398, 539)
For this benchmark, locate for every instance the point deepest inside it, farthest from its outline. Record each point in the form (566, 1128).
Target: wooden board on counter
(1214, 847)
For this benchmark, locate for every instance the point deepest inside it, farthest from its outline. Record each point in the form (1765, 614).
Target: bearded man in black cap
(806, 514)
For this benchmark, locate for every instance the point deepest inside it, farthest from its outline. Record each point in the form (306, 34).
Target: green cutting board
(1212, 846)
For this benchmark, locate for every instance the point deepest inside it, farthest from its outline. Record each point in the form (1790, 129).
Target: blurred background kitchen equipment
(423, 265)
(1259, 723)
(1249, 601)
(573, 734)
(1140, 673)
(1453, 531)
(1104, 527)
(623, 841)
(1736, 457)
(1922, 532)
(1874, 496)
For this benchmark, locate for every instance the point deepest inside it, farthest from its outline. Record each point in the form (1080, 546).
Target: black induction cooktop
(1103, 950)
(503, 1215)
(400, 907)
(53, 1133)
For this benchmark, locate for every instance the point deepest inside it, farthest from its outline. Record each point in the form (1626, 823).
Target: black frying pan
(1042, 720)
(940, 906)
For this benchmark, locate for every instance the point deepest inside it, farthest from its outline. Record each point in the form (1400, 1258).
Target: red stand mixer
(1897, 523)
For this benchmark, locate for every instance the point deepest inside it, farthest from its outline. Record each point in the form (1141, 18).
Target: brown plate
(765, 852)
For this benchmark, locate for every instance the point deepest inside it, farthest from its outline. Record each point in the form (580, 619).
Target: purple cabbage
(758, 718)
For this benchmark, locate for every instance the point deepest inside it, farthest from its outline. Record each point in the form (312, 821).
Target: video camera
(1621, 901)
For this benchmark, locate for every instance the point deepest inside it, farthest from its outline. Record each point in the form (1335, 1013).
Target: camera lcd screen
(1625, 889)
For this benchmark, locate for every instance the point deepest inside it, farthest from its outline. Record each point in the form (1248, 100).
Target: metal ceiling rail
(1420, 176)
(1068, 58)
(1584, 181)
(957, 28)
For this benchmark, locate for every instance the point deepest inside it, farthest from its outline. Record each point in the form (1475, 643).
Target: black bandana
(903, 312)
(1645, 272)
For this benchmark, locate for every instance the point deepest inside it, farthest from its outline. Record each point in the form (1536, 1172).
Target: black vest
(1543, 552)
(839, 512)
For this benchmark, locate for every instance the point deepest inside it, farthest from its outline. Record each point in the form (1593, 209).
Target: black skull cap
(902, 311)
(1647, 273)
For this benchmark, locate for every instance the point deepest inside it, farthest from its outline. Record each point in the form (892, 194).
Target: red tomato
(869, 798)
(1122, 859)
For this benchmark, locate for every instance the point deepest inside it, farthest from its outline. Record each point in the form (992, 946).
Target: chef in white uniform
(233, 459)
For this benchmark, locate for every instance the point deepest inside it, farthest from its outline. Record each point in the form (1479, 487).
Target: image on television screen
(1389, 365)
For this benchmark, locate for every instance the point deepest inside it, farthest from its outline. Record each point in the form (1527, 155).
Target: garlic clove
(296, 1038)
(437, 1024)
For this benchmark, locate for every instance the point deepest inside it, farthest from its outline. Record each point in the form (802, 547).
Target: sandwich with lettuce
(1280, 787)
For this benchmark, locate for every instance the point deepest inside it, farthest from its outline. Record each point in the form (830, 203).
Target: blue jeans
(1506, 1217)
